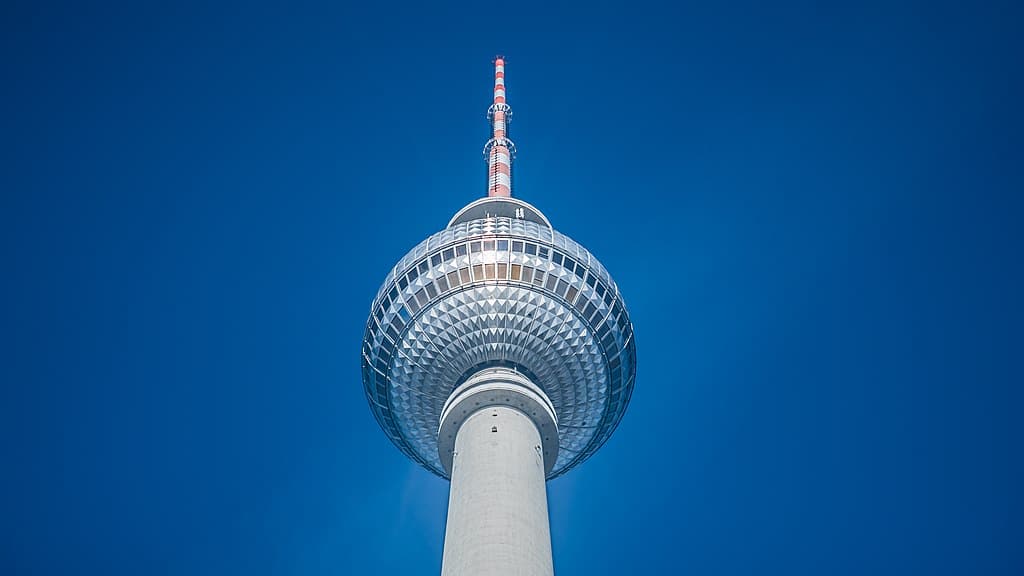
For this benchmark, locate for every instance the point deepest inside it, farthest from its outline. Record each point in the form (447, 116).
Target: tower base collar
(498, 387)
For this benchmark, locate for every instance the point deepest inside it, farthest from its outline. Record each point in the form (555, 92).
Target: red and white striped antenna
(499, 150)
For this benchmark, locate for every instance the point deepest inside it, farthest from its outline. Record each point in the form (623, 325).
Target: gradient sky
(814, 214)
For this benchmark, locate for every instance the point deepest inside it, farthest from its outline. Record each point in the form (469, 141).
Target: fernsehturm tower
(498, 354)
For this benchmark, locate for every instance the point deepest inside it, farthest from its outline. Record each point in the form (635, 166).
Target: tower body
(498, 354)
(497, 507)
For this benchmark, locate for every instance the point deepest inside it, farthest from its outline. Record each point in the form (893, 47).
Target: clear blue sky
(814, 213)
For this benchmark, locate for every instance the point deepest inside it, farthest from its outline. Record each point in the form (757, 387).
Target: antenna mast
(499, 150)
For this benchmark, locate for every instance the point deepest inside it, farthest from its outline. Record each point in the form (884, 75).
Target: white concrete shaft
(497, 507)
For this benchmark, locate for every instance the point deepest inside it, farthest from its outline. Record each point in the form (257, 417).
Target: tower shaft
(499, 148)
(498, 437)
(497, 507)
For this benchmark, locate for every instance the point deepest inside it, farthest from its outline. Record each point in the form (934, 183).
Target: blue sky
(813, 213)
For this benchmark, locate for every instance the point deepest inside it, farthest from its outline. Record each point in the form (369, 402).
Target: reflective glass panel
(570, 294)
(453, 279)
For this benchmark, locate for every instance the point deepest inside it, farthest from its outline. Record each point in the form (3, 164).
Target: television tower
(498, 354)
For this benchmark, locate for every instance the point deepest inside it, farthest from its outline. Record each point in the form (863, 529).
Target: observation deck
(499, 288)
